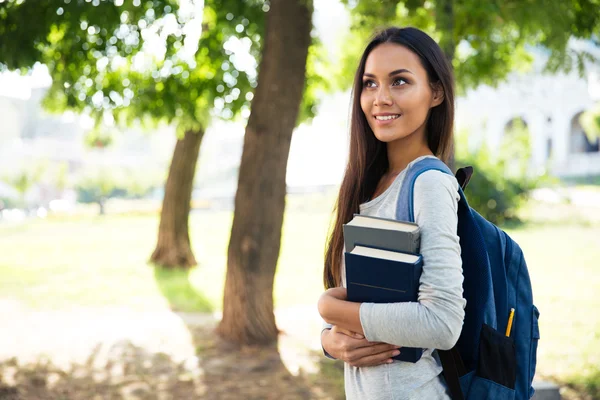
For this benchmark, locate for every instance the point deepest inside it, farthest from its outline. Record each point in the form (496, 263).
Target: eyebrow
(398, 71)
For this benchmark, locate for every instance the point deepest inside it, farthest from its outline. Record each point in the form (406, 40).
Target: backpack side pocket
(535, 337)
(497, 357)
(484, 389)
(495, 375)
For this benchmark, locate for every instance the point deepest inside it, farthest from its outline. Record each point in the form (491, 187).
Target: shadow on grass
(175, 286)
(329, 376)
(125, 371)
(229, 371)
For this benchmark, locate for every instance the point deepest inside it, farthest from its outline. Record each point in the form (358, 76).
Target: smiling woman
(402, 112)
(388, 96)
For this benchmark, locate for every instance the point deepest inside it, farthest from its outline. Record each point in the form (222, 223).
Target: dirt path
(113, 353)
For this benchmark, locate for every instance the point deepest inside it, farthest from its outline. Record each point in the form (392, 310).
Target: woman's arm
(435, 321)
(335, 310)
(346, 344)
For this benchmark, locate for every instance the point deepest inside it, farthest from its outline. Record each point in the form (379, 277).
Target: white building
(29, 135)
(550, 106)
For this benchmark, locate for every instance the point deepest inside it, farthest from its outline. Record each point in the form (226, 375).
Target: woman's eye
(368, 84)
(397, 80)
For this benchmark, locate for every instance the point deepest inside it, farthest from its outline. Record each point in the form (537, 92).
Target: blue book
(381, 276)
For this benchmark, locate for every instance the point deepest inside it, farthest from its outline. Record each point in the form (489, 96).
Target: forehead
(388, 57)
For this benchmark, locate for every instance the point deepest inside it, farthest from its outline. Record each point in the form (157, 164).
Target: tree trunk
(444, 18)
(101, 203)
(173, 248)
(248, 317)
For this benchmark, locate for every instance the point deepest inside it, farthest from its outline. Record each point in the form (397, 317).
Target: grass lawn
(563, 262)
(101, 261)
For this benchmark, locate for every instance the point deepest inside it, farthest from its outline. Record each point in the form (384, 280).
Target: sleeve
(435, 321)
(343, 274)
(326, 326)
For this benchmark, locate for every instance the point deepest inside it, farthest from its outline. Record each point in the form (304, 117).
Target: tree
(484, 41)
(97, 186)
(23, 179)
(125, 62)
(260, 199)
(213, 78)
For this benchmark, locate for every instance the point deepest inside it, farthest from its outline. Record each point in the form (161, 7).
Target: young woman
(403, 111)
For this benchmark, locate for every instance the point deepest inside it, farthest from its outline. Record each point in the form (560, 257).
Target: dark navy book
(381, 276)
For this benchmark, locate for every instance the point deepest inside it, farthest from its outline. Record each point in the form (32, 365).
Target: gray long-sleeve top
(435, 321)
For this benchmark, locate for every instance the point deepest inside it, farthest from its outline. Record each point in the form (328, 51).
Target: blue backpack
(484, 363)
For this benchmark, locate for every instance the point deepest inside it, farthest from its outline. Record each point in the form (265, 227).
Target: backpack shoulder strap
(405, 205)
(451, 360)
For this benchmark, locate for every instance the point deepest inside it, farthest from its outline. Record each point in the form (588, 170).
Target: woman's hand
(355, 350)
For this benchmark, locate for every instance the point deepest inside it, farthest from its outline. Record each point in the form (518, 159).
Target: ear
(438, 94)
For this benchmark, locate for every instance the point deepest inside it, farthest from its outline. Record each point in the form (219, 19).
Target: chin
(389, 137)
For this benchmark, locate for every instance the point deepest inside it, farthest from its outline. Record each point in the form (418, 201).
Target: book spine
(417, 271)
(417, 243)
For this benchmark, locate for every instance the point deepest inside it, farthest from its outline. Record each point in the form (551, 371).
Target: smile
(386, 117)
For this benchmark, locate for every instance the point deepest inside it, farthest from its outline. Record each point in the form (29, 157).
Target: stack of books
(383, 265)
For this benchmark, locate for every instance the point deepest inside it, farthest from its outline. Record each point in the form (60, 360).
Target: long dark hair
(368, 160)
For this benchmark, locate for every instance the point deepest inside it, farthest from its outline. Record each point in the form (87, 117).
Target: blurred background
(169, 170)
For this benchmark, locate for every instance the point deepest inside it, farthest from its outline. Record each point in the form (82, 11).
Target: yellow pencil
(510, 322)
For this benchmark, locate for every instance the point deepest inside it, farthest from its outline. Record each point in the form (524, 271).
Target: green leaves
(485, 39)
(590, 121)
(501, 180)
(318, 72)
(149, 60)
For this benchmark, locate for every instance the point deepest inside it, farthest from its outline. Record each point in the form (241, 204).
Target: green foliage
(98, 138)
(59, 177)
(139, 182)
(7, 202)
(500, 183)
(96, 185)
(588, 383)
(486, 40)
(588, 180)
(23, 178)
(590, 121)
(99, 184)
(318, 69)
(122, 61)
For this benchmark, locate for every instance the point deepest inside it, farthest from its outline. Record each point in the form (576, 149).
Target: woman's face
(396, 94)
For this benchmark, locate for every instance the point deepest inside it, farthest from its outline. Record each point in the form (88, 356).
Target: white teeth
(386, 117)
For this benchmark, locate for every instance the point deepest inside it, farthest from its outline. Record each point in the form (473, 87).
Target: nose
(383, 96)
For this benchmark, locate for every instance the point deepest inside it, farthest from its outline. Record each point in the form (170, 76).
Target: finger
(348, 332)
(371, 350)
(376, 359)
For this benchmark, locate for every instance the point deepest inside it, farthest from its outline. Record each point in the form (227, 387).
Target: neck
(402, 151)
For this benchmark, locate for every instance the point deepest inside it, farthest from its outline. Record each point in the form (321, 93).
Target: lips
(387, 119)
